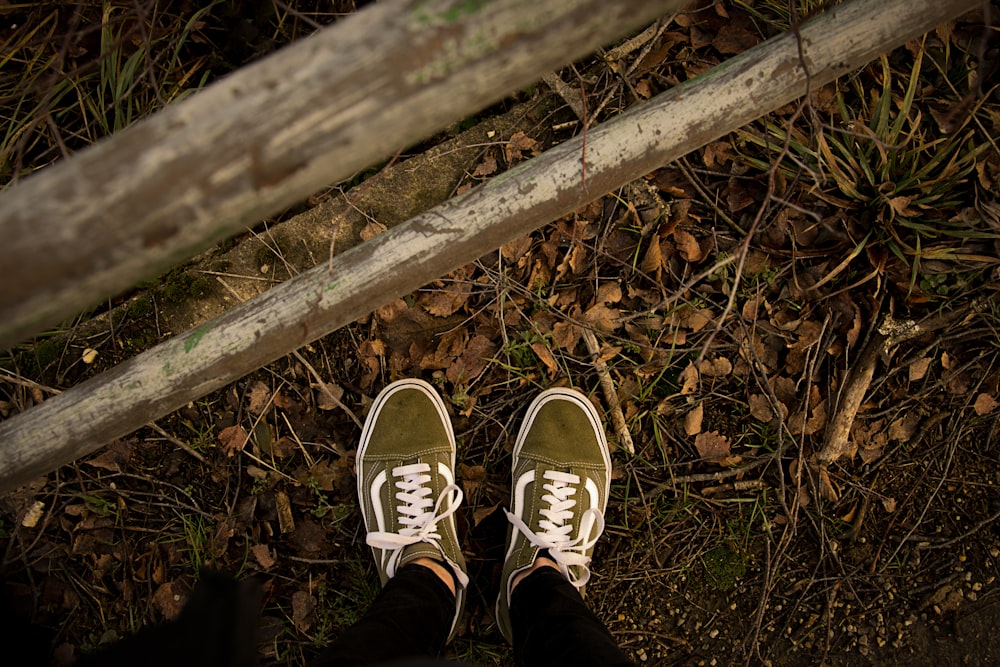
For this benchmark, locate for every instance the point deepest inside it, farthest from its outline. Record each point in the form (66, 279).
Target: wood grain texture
(271, 134)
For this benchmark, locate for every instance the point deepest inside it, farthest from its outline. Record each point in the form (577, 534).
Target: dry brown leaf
(985, 404)
(259, 399)
(519, 144)
(720, 367)
(286, 520)
(854, 334)
(303, 610)
(738, 197)
(372, 346)
(282, 448)
(869, 439)
(372, 229)
(808, 333)
(693, 420)
(675, 338)
(573, 263)
(902, 429)
(326, 476)
(732, 39)
(602, 318)
(233, 439)
(262, 554)
(607, 353)
(689, 378)
(517, 249)
(389, 311)
(712, 446)
(901, 205)
(946, 361)
(717, 153)
(872, 450)
(784, 388)
(760, 408)
(799, 424)
(566, 335)
(918, 369)
(327, 399)
(473, 477)
(487, 167)
(755, 308)
(652, 261)
(545, 355)
(473, 360)
(699, 319)
(169, 599)
(751, 349)
(285, 402)
(688, 246)
(609, 292)
(828, 490)
(959, 384)
(449, 347)
(106, 460)
(803, 498)
(442, 303)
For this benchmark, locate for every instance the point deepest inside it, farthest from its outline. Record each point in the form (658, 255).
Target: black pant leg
(410, 618)
(216, 628)
(553, 626)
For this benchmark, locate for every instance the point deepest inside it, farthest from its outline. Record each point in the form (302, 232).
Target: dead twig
(610, 393)
(175, 441)
(570, 95)
(969, 533)
(326, 390)
(881, 343)
(708, 476)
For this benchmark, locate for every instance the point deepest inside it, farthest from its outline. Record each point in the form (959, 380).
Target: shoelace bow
(418, 513)
(555, 534)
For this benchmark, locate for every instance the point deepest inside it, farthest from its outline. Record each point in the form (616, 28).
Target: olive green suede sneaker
(559, 491)
(406, 483)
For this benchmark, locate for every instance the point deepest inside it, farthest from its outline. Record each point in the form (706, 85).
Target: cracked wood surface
(271, 134)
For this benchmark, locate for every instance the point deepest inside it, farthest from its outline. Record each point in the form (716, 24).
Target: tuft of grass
(68, 83)
(885, 162)
(782, 14)
(74, 72)
(197, 540)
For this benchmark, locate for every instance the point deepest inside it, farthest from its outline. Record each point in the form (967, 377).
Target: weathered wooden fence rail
(270, 135)
(456, 232)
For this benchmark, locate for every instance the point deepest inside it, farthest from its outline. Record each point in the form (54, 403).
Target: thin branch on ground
(610, 393)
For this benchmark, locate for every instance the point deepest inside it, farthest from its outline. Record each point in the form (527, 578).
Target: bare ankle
(540, 562)
(438, 568)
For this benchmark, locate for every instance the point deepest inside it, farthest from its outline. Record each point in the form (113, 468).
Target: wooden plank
(456, 232)
(271, 134)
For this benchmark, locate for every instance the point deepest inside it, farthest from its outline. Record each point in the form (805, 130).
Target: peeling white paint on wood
(271, 134)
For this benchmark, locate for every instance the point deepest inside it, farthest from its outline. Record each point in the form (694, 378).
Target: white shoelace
(419, 514)
(555, 534)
